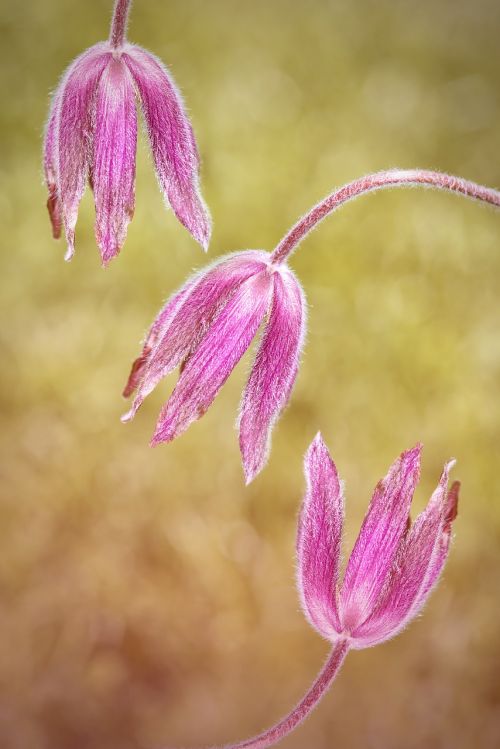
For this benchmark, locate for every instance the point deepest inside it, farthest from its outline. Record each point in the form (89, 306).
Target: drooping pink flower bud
(92, 134)
(206, 327)
(210, 322)
(393, 566)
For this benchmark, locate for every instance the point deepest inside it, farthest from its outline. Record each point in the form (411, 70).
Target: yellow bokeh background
(147, 598)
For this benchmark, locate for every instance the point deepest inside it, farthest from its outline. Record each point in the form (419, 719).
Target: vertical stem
(119, 23)
(378, 181)
(305, 706)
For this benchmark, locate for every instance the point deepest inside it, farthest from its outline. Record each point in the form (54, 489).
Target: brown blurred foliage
(146, 597)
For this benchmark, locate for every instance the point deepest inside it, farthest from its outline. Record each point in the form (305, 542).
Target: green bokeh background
(146, 597)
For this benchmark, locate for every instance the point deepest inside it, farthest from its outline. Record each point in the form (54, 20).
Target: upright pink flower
(393, 566)
(208, 325)
(391, 571)
(92, 134)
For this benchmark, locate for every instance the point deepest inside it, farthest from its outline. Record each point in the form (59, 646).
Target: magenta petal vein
(91, 135)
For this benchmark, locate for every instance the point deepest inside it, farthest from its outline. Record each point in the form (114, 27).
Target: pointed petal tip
(318, 439)
(109, 248)
(451, 463)
(318, 446)
(248, 478)
(70, 240)
(205, 242)
(411, 458)
(164, 432)
(105, 261)
(108, 252)
(445, 473)
(199, 228)
(250, 472)
(159, 438)
(128, 416)
(414, 452)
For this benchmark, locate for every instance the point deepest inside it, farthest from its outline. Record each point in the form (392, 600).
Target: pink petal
(187, 316)
(74, 132)
(319, 540)
(273, 373)
(417, 566)
(212, 362)
(49, 165)
(113, 163)
(161, 323)
(376, 546)
(443, 546)
(172, 141)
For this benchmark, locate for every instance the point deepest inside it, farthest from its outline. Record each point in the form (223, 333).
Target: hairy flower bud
(206, 327)
(393, 566)
(91, 135)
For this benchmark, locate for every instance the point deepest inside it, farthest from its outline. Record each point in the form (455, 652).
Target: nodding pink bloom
(206, 327)
(92, 134)
(389, 576)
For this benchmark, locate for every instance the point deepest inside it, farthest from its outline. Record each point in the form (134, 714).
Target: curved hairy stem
(378, 181)
(306, 705)
(119, 23)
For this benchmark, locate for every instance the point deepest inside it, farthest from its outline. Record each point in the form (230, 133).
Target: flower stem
(378, 181)
(305, 706)
(119, 23)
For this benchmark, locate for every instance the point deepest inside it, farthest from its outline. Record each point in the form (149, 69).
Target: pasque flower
(207, 326)
(391, 571)
(393, 566)
(91, 134)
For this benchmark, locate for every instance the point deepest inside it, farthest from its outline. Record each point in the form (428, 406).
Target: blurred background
(147, 597)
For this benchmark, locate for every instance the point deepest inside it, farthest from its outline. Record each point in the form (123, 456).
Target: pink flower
(391, 571)
(393, 566)
(206, 327)
(92, 133)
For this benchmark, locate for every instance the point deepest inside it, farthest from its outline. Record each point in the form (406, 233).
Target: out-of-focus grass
(147, 597)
